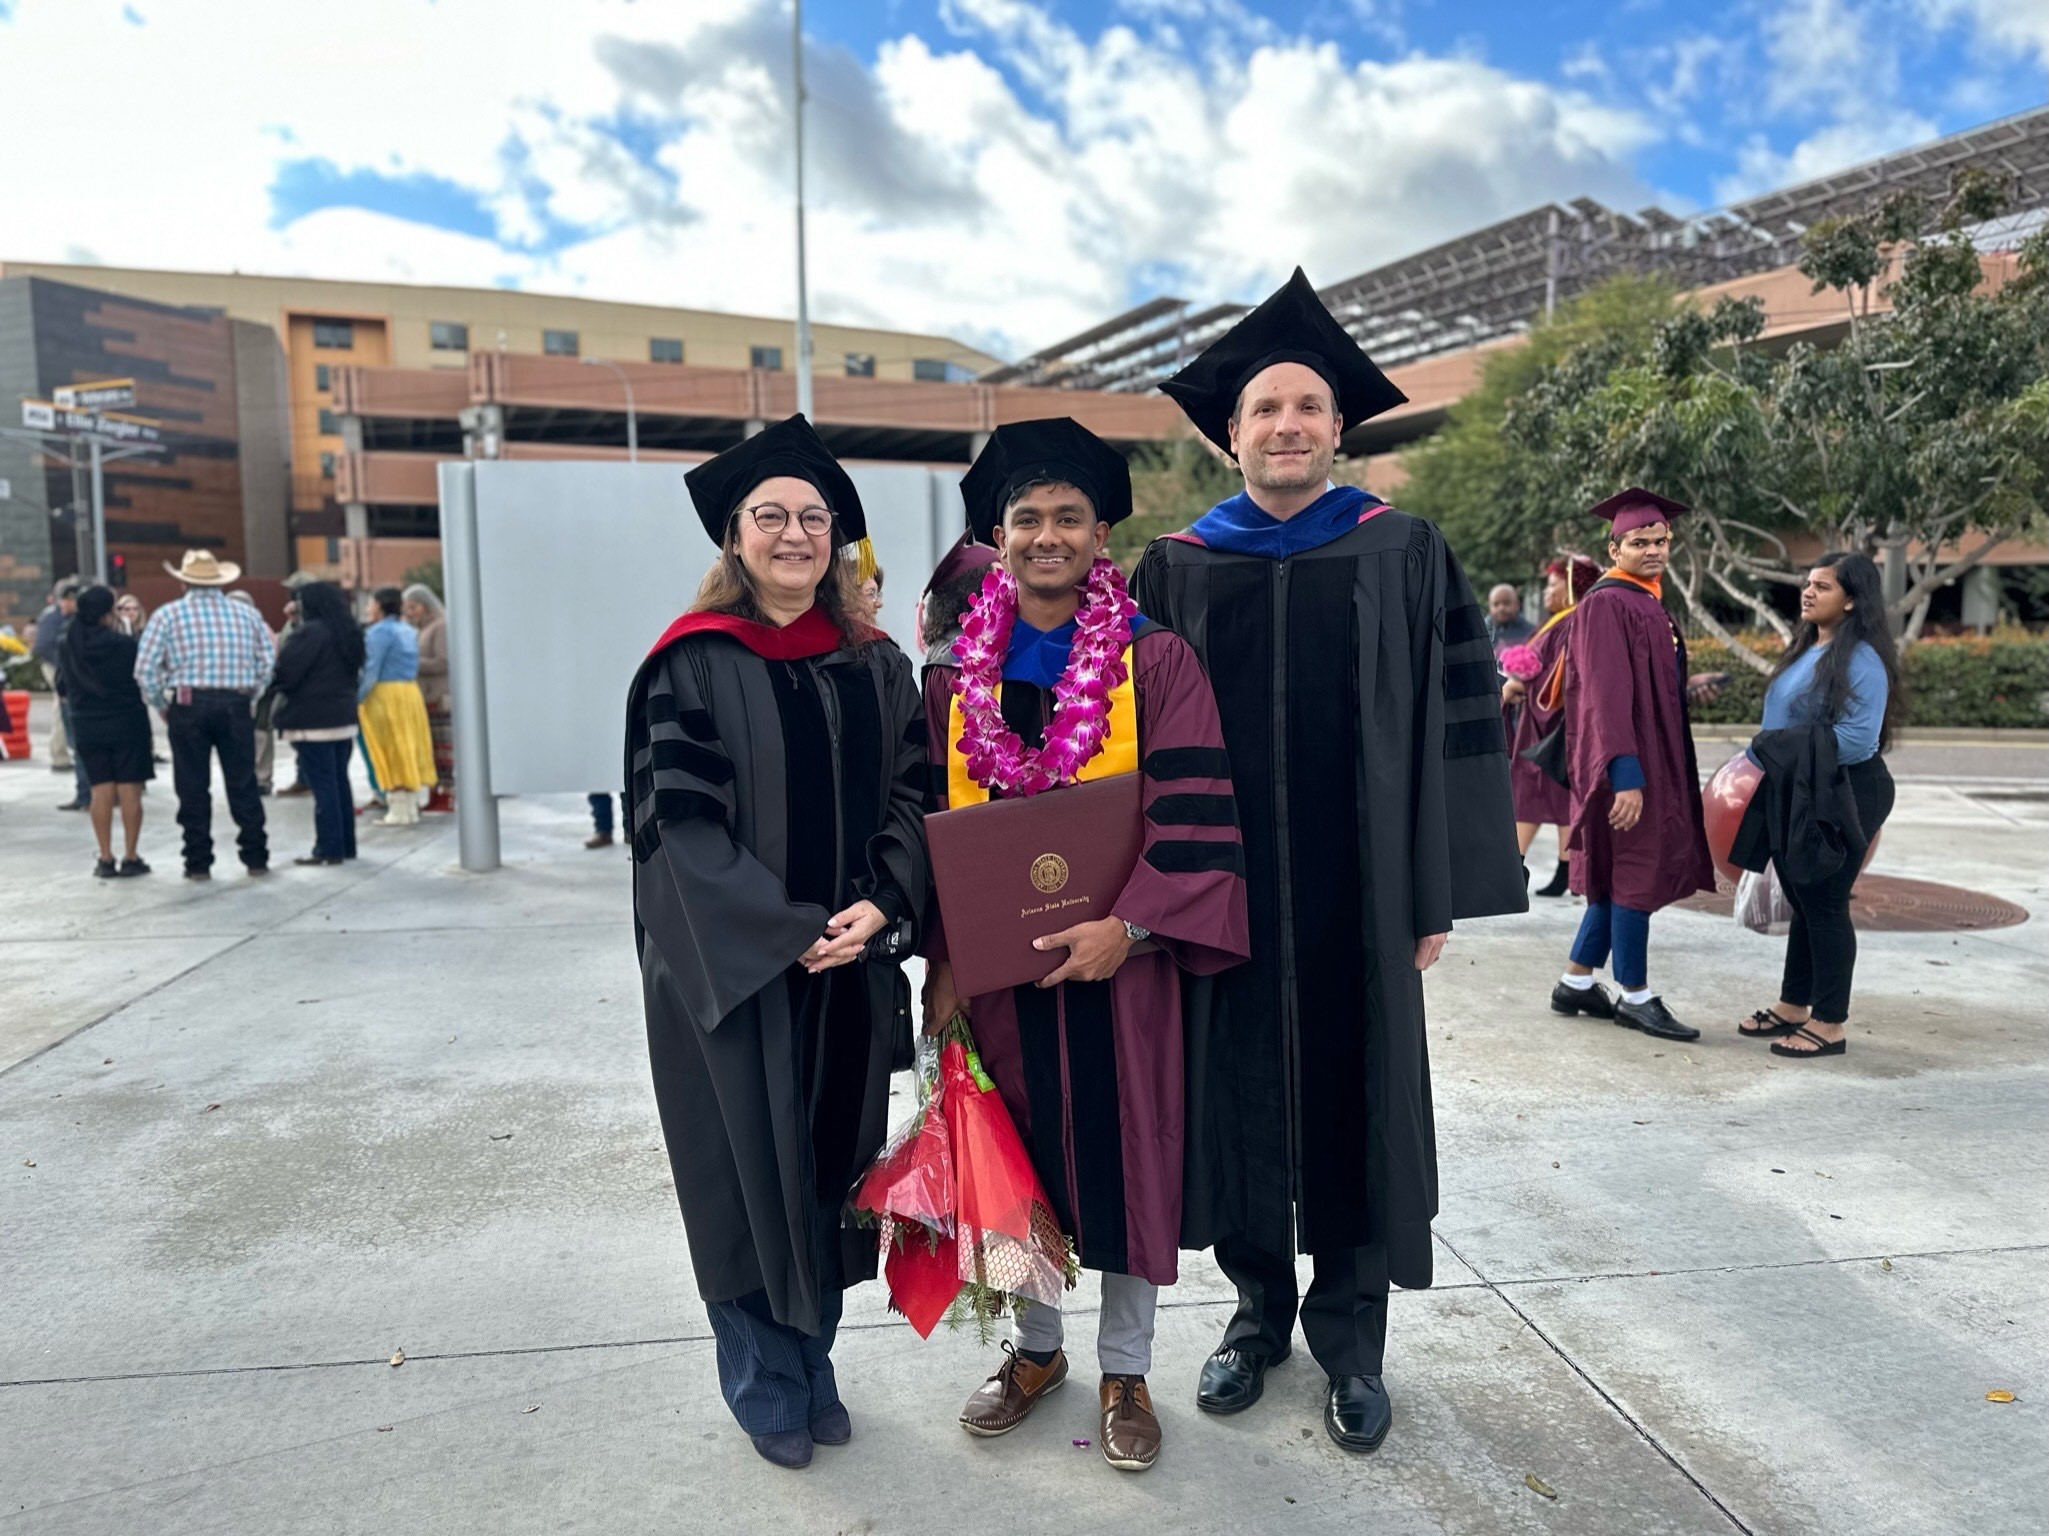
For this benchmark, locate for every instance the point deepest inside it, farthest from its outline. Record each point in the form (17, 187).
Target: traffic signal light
(117, 570)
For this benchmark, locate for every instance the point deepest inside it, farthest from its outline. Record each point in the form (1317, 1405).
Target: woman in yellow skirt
(393, 713)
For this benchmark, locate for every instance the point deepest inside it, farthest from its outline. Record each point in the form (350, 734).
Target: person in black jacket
(316, 711)
(110, 735)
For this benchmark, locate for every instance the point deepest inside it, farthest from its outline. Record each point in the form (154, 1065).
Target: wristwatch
(1136, 934)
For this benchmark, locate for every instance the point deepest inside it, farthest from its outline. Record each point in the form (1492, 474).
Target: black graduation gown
(765, 795)
(1360, 710)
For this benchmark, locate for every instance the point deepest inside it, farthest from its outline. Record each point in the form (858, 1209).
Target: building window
(766, 357)
(330, 424)
(327, 466)
(860, 365)
(664, 349)
(560, 343)
(334, 335)
(323, 376)
(448, 336)
(929, 370)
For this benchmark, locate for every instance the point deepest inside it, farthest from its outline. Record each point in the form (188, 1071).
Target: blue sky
(1004, 171)
(1935, 62)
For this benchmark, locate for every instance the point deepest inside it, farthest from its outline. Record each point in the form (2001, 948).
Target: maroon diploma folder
(1011, 871)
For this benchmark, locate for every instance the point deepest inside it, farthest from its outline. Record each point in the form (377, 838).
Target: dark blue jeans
(324, 766)
(77, 762)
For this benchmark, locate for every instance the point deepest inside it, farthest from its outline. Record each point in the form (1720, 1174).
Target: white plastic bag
(1761, 904)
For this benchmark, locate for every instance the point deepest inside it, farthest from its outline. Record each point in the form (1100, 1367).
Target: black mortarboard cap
(1637, 508)
(1290, 327)
(1057, 448)
(720, 486)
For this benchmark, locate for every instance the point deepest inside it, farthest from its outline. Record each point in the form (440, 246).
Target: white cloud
(1760, 168)
(944, 196)
(2017, 26)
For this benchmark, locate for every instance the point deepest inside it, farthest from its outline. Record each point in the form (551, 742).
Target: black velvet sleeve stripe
(936, 781)
(1175, 857)
(697, 724)
(704, 762)
(1471, 680)
(1464, 623)
(1193, 811)
(1188, 763)
(1474, 738)
(915, 734)
(669, 805)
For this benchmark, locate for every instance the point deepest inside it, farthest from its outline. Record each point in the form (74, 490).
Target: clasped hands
(846, 934)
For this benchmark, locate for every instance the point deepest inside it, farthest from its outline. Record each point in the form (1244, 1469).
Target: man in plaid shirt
(202, 662)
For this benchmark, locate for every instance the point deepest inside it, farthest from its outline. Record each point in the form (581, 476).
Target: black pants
(217, 721)
(1344, 1316)
(1821, 946)
(324, 766)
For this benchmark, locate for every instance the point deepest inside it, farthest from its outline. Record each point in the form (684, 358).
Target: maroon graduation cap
(1637, 508)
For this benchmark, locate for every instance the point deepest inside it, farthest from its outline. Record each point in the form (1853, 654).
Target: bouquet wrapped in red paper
(962, 1219)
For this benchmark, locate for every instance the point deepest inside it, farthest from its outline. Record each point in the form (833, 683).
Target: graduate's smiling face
(1049, 538)
(787, 563)
(1643, 551)
(1286, 428)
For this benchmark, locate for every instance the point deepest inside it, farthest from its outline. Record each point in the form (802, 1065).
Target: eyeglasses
(772, 519)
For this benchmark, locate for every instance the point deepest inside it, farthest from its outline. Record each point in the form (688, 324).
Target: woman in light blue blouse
(1841, 668)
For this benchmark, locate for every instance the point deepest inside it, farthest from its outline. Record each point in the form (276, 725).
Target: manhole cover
(1889, 904)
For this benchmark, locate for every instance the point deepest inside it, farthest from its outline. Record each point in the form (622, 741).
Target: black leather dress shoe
(1356, 1413)
(1233, 1378)
(1654, 1018)
(1596, 1002)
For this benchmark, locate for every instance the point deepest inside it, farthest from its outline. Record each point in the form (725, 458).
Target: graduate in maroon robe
(1637, 839)
(1089, 1062)
(1530, 709)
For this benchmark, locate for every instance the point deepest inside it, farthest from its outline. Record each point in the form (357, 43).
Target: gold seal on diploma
(1049, 873)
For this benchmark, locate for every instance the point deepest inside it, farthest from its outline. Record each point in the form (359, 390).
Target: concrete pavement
(257, 1136)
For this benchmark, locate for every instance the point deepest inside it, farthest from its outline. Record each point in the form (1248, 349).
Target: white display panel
(581, 566)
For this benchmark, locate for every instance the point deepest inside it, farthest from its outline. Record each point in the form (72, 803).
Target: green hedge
(2001, 680)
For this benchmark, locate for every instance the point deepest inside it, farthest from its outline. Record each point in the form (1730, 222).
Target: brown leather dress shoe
(1001, 1403)
(1131, 1433)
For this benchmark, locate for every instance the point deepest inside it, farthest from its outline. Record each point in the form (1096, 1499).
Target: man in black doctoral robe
(1356, 688)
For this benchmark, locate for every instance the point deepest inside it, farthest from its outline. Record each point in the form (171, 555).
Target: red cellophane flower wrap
(958, 1206)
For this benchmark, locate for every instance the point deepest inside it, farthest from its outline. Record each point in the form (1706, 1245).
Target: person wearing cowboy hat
(201, 662)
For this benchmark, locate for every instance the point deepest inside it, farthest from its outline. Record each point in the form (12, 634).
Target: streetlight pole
(803, 295)
(632, 424)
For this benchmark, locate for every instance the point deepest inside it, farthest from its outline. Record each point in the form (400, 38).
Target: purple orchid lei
(997, 758)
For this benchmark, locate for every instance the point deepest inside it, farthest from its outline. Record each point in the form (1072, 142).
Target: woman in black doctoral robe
(775, 773)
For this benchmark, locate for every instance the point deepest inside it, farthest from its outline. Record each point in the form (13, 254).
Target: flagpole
(803, 294)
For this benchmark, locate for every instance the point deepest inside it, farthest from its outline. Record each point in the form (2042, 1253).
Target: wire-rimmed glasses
(772, 518)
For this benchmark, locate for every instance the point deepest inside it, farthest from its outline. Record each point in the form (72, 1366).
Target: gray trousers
(1124, 1330)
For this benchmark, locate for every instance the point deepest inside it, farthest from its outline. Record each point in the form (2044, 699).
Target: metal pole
(476, 808)
(803, 293)
(99, 515)
(1551, 265)
(632, 425)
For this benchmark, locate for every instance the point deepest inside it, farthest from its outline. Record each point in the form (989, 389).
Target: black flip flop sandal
(1824, 1047)
(133, 867)
(1769, 1025)
(104, 869)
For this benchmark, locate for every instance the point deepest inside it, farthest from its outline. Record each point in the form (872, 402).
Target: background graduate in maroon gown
(1636, 838)
(1531, 709)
